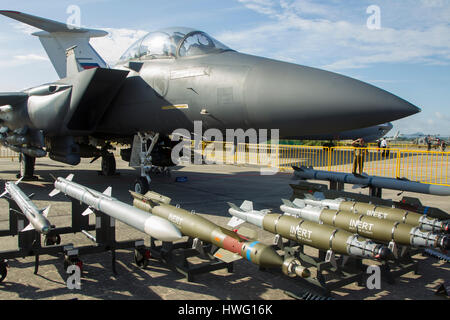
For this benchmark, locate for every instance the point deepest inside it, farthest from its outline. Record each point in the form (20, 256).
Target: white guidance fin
(235, 222)
(27, 228)
(46, 211)
(108, 191)
(247, 206)
(70, 177)
(54, 193)
(88, 211)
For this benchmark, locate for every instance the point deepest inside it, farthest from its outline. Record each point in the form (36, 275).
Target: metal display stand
(29, 242)
(176, 256)
(332, 273)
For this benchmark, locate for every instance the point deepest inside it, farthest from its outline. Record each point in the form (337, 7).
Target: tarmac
(207, 190)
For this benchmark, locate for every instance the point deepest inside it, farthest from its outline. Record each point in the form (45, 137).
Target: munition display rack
(29, 242)
(405, 262)
(176, 256)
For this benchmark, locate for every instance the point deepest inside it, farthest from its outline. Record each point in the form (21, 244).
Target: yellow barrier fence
(416, 165)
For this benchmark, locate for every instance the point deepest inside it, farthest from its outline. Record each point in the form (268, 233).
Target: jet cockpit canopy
(173, 43)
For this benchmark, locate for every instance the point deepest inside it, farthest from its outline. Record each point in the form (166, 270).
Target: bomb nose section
(298, 99)
(162, 229)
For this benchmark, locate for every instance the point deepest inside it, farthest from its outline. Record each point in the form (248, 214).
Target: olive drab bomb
(233, 245)
(309, 233)
(367, 226)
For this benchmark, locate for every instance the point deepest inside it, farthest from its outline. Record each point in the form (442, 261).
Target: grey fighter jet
(165, 81)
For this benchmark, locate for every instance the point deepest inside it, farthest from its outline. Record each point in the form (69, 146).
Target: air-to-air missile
(381, 212)
(371, 181)
(233, 245)
(367, 226)
(309, 233)
(37, 218)
(143, 221)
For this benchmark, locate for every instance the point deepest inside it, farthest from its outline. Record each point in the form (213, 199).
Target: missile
(382, 212)
(367, 226)
(371, 181)
(37, 218)
(143, 221)
(233, 246)
(309, 233)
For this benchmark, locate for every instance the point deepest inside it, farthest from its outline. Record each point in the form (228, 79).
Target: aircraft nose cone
(298, 99)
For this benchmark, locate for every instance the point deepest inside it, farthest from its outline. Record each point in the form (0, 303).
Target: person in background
(383, 145)
(428, 141)
(358, 160)
(443, 145)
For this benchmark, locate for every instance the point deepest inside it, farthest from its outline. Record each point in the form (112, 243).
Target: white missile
(152, 225)
(37, 218)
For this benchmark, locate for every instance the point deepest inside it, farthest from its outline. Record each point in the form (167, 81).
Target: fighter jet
(165, 81)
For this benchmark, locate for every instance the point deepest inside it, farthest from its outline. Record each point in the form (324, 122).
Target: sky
(404, 50)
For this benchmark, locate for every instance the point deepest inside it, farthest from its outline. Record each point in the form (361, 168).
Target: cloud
(31, 58)
(314, 33)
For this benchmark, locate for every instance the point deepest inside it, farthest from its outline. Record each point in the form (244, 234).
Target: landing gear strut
(26, 166)
(144, 159)
(108, 164)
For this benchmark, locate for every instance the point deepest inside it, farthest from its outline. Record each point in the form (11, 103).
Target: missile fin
(247, 206)
(287, 202)
(108, 191)
(309, 196)
(234, 222)
(3, 194)
(247, 233)
(54, 192)
(28, 228)
(18, 181)
(299, 203)
(70, 177)
(88, 211)
(46, 211)
(226, 256)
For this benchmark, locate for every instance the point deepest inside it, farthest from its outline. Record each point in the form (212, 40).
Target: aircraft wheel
(141, 185)
(3, 270)
(141, 258)
(108, 165)
(51, 240)
(26, 166)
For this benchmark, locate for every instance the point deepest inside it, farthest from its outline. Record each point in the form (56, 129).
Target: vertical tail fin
(57, 37)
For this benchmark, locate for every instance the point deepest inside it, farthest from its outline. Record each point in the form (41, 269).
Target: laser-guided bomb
(233, 245)
(37, 218)
(382, 212)
(322, 237)
(367, 226)
(143, 221)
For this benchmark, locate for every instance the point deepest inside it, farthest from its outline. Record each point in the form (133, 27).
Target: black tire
(26, 166)
(108, 165)
(3, 271)
(141, 185)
